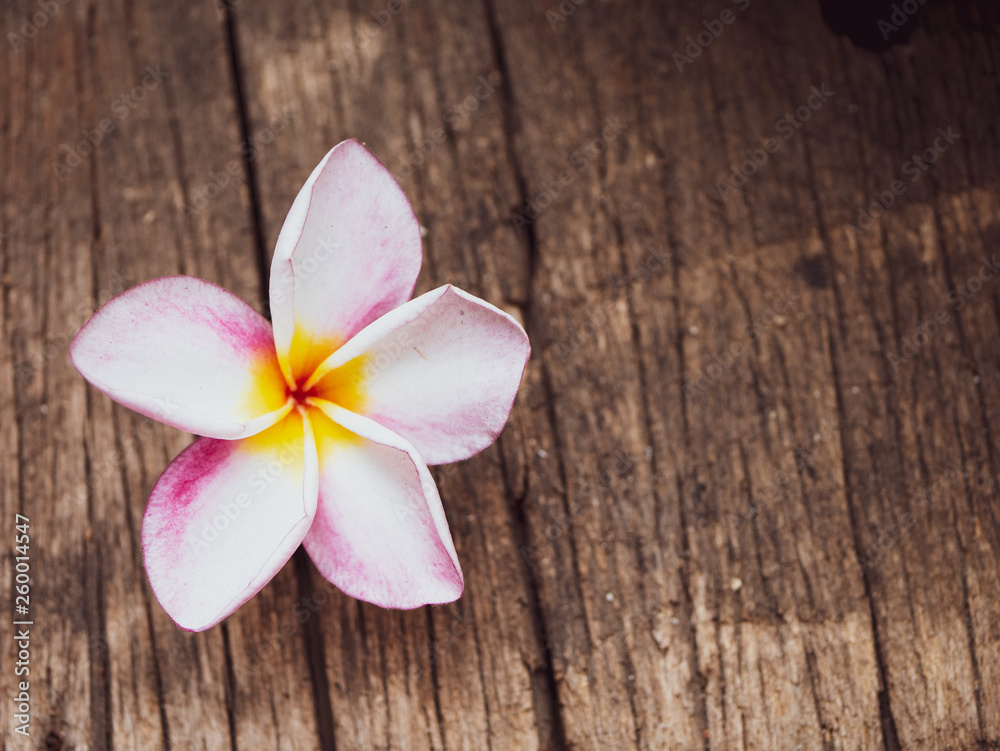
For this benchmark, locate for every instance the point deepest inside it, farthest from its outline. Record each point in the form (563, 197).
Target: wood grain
(747, 497)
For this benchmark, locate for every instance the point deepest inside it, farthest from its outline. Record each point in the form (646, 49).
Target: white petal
(348, 252)
(187, 353)
(380, 532)
(441, 371)
(224, 518)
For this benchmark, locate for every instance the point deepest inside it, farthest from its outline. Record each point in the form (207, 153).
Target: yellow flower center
(343, 386)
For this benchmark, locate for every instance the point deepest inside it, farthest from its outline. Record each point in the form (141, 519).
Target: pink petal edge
(187, 353)
(441, 371)
(348, 252)
(220, 523)
(380, 532)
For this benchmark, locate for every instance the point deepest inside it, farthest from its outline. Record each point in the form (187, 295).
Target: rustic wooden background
(747, 497)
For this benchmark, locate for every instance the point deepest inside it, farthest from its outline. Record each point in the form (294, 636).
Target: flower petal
(348, 252)
(380, 532)
(441, 371)
(224, 518)
(187, 353)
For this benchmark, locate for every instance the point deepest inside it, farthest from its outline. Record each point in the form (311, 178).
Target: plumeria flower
(318, 427)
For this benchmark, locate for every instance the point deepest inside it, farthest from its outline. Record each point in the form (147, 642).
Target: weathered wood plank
(748, 494)
(184, 225)
(903, 430)
(613, 592)
(469, 675)
(129, 176)
(46, 274)
(791, 529)
(154, 685)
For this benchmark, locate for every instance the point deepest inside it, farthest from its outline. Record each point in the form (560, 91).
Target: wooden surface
(747, 498)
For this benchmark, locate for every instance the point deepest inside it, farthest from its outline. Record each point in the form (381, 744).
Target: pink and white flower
(318, 427)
